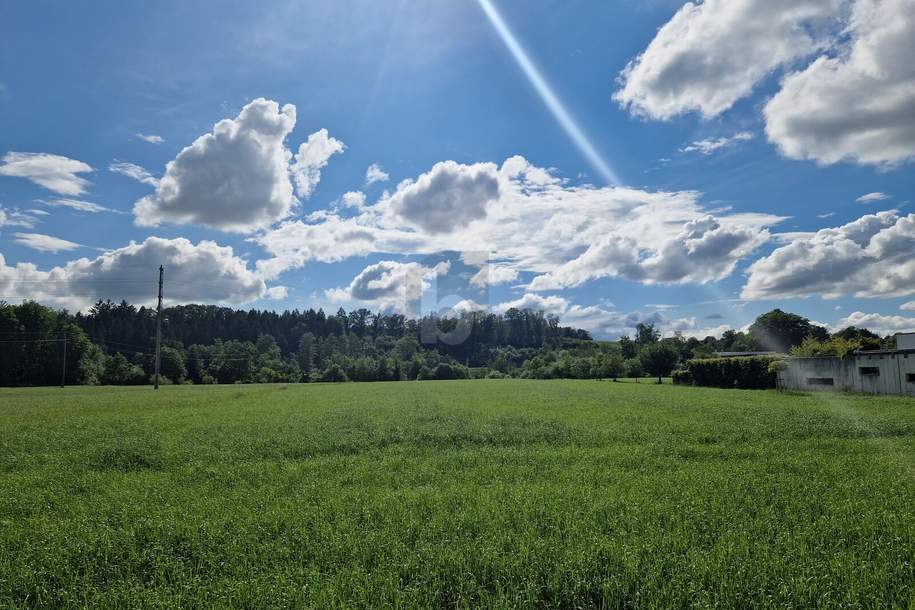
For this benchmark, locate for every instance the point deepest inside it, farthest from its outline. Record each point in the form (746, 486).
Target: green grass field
(455, 494)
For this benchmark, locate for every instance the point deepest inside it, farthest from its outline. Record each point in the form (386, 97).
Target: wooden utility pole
(63, 372)
(159, 324)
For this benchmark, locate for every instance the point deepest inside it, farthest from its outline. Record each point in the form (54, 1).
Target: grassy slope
(561, 493)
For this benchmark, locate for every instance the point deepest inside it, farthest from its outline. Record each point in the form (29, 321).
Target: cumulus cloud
(709, 145)
(874, 322)
(526, 174)
(330, 240)
(659, 236)
(448, 197)
(869, 197)
(389, 285)
(869, 257)
(312, 157)
(194, 273)
(134, 171)
(492, 275)
(702, 252)
(856, 103)
(910, 306)
(374, 174)
(44, 243)
(151, 138)
(54, 172)
(711, 54)
(353, 199)
(549, 304)
(607, 323)
(237, 178)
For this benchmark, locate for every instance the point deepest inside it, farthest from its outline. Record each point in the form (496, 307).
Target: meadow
(506, 493)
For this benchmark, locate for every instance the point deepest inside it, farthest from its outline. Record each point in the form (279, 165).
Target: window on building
(870, 370)
(910, 377)
(820, 381)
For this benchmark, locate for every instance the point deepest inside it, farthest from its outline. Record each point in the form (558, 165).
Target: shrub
(497, 375)
(749, 373)
(334, 373)
(449, 371)
(682, 377)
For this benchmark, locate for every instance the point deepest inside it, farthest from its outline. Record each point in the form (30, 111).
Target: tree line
(112, 344)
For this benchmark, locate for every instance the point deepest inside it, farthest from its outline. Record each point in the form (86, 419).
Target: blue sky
(738, 131)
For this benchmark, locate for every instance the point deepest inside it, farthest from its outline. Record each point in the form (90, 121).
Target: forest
(114, 344)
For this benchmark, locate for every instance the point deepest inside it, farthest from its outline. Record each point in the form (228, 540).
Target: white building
(874, 372)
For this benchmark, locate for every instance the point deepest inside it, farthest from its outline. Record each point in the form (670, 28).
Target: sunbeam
(546, 93)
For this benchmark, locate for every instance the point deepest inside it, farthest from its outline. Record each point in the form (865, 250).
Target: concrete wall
(812, 373)
(878, 373)
(886, 379)
(907, 373)
(905, 341)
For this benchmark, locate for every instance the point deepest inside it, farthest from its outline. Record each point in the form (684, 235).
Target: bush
(749, 373)
(496, 375)
(449, 371)
(332, 374)
(682, 377)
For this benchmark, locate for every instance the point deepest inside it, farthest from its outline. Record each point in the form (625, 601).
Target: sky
(688, 164)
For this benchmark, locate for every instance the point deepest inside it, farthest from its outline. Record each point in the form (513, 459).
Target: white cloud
(910, 306)
(312, 157)
(710, 145)
(80, 206)
(201, 273)
(550, 304)
(353, 199)
(874, 322)
(466, 306)
(526, 174)
(151, 138)
(872, 197)
(54, 172)
(374, 174)
(276, 293)
(448, 197)
(331, 240)
(134, 171)
(18, 218)
(492, 275)
(607, 323)
(237, 178)
(45, 243)
(389, 285)
(711, 54)
(703, 251)
(869, 257)
(856, 103)
(669, 235)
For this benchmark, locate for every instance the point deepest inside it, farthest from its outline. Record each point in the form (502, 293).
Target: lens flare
(546, 93)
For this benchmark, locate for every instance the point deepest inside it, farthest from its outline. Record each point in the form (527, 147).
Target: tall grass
(502, 493)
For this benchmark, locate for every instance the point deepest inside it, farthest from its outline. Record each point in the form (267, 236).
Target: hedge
(682, 377)
(746, 373)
